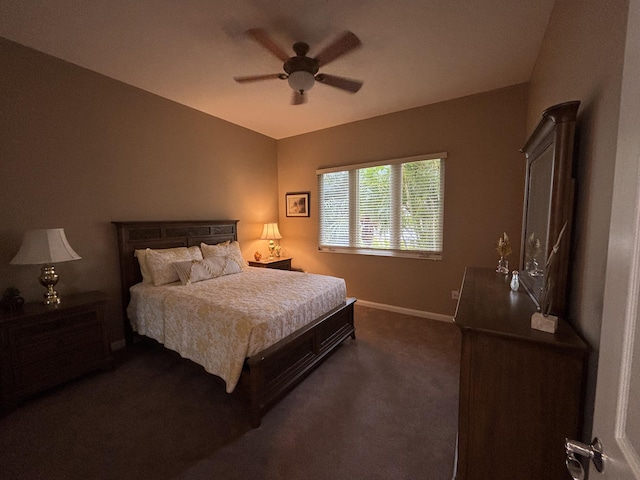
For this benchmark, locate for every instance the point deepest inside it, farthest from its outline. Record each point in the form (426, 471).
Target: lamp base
(48, 278)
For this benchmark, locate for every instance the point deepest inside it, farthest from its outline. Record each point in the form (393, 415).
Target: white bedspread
(218, 323)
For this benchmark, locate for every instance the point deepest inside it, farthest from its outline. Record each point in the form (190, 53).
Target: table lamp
(45, 247)
(270, 232)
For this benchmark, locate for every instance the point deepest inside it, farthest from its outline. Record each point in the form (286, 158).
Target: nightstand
(277, 263)
(42, 346)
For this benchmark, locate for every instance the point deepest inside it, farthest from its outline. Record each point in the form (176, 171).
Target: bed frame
(268, 375)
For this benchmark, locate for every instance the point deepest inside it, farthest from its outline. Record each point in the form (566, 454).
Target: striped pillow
(197, 270)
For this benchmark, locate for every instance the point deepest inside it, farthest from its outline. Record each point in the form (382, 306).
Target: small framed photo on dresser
(297, 204)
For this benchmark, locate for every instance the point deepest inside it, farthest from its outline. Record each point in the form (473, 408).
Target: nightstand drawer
(27, 333)
(67, 363)
(42, 347)
(278, 263)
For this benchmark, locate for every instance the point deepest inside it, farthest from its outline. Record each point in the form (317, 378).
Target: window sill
(383, 253)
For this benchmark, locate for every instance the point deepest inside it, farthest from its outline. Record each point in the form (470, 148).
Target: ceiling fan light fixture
(301, 81)
(301, 71)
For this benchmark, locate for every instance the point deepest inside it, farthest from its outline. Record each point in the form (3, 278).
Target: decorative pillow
(147, 276)
(198, 270)
(159, 263)
(226, 249)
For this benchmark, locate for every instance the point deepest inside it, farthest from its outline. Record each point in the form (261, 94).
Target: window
(391, 208)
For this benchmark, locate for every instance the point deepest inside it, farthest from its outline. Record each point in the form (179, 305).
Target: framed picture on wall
(297, 204)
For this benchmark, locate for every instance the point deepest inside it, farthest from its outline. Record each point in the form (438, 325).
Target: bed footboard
(273, 372)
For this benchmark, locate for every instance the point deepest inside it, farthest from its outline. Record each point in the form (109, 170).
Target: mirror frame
(554, 133)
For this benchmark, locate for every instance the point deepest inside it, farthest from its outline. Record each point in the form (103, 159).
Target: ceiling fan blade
(257, 78)
(298, 98)
(347, 42)
(339, 82)
(263, 39)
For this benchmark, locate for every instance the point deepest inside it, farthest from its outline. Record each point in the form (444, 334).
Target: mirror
(548, 208)
(537, 218)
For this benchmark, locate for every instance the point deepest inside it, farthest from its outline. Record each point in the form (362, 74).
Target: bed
(269, 366)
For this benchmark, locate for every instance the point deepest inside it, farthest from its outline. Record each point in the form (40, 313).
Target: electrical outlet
(455, 294)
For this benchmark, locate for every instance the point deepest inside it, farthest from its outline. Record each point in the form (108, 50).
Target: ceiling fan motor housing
(301, 62)
(301, 69)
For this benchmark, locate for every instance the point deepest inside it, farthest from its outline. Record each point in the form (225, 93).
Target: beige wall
(484, 185)
(581, 59)
(80, 150)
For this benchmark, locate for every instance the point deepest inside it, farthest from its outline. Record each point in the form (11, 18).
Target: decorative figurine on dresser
(520, 378)
(48, 343)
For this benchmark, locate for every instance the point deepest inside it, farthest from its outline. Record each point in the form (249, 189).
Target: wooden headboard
(162, 234)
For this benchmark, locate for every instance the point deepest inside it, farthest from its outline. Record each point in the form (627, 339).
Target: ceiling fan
(301, 71)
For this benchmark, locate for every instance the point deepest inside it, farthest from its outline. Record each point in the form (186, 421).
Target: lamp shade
(270, 232)
(44, 246)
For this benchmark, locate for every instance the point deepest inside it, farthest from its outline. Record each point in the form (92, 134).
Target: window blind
(393, 207)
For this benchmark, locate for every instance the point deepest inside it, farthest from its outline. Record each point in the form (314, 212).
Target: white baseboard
(118, 344)
(406, 311)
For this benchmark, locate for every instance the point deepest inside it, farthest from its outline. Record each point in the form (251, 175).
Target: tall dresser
(520, 389)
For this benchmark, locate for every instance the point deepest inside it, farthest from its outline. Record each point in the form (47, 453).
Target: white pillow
(195, 252)
(147, 277)
(141, 255)
(225, 249)
(159, 263)
(198, 270)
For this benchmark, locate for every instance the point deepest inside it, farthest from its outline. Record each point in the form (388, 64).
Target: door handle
(593, 452)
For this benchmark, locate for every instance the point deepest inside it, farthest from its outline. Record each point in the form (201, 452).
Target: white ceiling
(414, 52)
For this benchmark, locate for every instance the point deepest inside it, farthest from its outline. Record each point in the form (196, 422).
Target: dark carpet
(383, 406)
